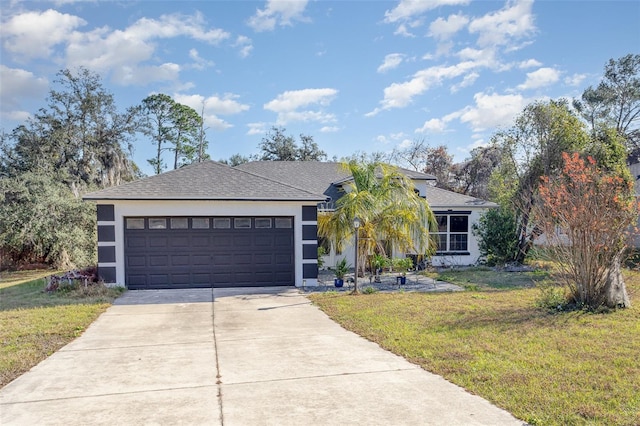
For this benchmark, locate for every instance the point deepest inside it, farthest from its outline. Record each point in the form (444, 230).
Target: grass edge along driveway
(563, 368)
(35, 324)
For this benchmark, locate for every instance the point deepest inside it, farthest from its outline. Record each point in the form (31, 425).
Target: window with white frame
(452, 235)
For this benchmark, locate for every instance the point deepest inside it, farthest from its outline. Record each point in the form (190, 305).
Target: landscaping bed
(545, 367)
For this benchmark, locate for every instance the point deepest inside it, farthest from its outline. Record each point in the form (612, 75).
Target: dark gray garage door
(187, 252)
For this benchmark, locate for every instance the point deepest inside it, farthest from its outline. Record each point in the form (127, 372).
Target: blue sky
(356, 75)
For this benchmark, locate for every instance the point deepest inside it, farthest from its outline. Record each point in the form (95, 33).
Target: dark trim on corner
(310, 232)
(107, 274)
(309, 270)
(106, 233)
(106, 213)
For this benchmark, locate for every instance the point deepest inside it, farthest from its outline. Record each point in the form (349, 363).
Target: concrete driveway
(231, 357)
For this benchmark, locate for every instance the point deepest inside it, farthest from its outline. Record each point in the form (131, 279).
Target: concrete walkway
(252, 357)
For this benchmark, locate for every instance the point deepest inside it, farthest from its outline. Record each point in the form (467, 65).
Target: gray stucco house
(209, 224)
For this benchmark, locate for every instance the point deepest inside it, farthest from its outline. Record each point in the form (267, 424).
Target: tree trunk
(615, 290)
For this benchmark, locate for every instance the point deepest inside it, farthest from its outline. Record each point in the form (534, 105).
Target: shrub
(369, 290)
(551, 296)
(497, 237)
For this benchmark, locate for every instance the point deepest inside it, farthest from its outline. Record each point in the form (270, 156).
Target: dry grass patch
(34, 324)
(552, 369)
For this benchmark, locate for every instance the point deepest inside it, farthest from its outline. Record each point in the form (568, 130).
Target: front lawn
(34, 324)
(546, 368)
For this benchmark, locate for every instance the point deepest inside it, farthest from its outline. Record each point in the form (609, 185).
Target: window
(222, 223)
(157, 223)
(242, 223)
(135, 223)
(263, 222)
(283, 222)
(200, 223)
(179, 223)
(452, 234)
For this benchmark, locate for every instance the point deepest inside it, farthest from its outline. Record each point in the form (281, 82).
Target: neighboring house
(209, 224)
(635, 175)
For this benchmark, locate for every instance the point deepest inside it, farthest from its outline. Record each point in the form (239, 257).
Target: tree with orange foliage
(586, 214)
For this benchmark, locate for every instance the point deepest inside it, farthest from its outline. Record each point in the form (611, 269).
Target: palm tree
(391, 212)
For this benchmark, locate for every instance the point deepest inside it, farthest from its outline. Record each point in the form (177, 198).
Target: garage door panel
(200, 241)
(134, 241)
(182, 241)
(263, 241)
(283, 240)
(159, 279)
(136, 261)
(201, 279)
(181, 279)
(263, 259)
(137, 280)
(158, 242)
(180, 260)
(222, 241)
(222, 260)
(242, 259)
(200, 259)
(222, 277)
(205, 257)
(283, 259)
(242, 240)
(158, 260)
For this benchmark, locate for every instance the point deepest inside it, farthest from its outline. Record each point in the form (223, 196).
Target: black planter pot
(339, 282)
(402, 280)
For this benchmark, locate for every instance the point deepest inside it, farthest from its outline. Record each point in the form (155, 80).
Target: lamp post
(356, 225)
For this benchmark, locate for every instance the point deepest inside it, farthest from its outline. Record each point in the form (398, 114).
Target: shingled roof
(441, 198)
(315, 176)
(208, 180)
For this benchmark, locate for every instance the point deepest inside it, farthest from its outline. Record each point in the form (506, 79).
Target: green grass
(487, 278)
(34, 324)
(570, 368)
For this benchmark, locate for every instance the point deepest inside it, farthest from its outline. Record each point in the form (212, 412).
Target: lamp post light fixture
(356, 225)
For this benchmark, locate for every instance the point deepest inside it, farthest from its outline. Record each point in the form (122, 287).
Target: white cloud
(257, 128)
(199, 62)
(397, 136)
(295, 105)
(403, 31)
(143, 75)
(529, 63)
(513, 22)
(444, 29)
(381, 139)
(467, 81)
(391, 61)
(540, 78)
(123, 52)
(245, 44)
(291, 100)
(329, 129)
(492, 110)
(434, 125)
(407, 9)
(16, 84)
(399, 95)
(34, 34)
(406, 143)
(213, 107)
(575, 79)
(278, 12)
